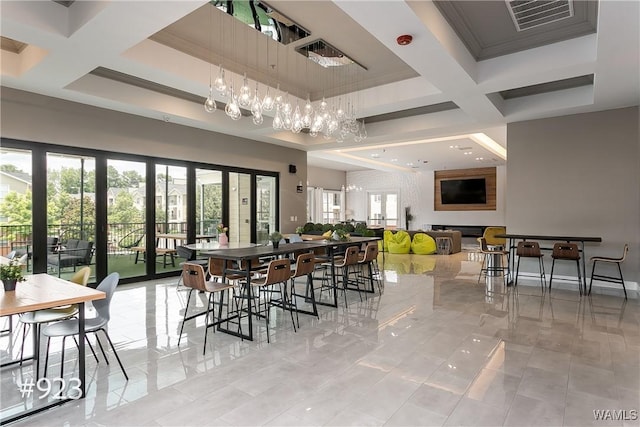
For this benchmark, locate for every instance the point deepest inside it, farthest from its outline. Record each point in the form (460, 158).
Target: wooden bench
(159, 251)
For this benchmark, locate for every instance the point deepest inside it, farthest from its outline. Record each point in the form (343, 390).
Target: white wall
(31, 117)
(578, 175)
(417, 191)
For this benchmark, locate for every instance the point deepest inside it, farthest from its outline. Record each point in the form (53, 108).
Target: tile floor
(435, 348)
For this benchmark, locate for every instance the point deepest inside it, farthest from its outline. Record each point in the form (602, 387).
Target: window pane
(391, 209)
(71, 212)
(375, 209)
(15, 204)
(239, 207)
(125, 217)
(171, 215)
(265, 206)
(208, 201)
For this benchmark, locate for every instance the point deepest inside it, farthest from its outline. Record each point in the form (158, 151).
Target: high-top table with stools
(581, 240)
(242, 256)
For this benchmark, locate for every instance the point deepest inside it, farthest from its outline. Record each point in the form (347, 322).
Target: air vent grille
(527, 14)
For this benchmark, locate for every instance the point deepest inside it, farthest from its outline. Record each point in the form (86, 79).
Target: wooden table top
(41, 291)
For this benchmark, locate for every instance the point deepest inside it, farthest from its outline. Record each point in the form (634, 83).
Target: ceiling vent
(527, 14)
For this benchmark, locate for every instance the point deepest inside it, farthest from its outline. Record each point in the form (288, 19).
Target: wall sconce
(299, 187)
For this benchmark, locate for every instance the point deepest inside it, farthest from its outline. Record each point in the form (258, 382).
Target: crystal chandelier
(332, 119)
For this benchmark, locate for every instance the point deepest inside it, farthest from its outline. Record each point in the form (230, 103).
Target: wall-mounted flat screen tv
(470, 191)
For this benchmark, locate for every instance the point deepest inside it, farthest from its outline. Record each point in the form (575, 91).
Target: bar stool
(278, 273)
(612, 279)
(369, 258)
(346, 267)
(304, 267)
(531, 250)
(497, 256)
(568, 252)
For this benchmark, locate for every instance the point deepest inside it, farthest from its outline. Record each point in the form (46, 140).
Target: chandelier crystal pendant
(296, 120)
(210, 103)
(278, 98)
(277, 119)
(268, 102)
(244, 97)
(220, 84)
(256, 108)
(232, 109)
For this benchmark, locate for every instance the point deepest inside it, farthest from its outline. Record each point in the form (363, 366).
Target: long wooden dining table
(39, 292)
(513, 237)
(242, 256)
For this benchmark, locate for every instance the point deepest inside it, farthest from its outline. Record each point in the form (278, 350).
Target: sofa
(74, 252)
(454, 235)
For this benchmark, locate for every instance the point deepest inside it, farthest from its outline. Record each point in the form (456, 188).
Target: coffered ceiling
(467, 73)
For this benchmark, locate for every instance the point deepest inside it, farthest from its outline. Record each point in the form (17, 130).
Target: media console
(466, 230)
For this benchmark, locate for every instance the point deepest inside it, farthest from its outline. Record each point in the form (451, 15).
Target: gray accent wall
(328, 179)
(32, 117)
(578, 175)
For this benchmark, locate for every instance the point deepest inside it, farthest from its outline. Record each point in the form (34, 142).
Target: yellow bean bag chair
(490, 236)
(400, 243)
(384, 245)
(423, 244)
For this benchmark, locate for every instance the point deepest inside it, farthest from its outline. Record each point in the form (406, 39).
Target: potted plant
(275, 238)
(10, 274)
(408, 216)
(299, 230)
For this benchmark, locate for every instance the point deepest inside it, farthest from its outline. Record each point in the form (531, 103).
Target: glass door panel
(71, 213)
(391, 209)
(171, 215)
(331, 206)
(208, 201)
(375, 216)
(266, 212)
(126, 204)
(15, 205)
(239, 207)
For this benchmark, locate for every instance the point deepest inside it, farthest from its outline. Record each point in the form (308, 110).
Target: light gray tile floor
(434, 348)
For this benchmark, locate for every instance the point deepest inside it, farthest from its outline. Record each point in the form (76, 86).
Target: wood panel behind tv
(489, 174)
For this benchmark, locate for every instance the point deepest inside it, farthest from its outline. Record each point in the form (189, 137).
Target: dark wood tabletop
(542, 237)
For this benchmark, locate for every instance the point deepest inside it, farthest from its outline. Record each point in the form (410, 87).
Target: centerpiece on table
(299, 230)
(275, 238)
(10, 274)
(223, 239)
(341, 235)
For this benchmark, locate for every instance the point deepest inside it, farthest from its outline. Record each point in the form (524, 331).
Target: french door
(382, 208)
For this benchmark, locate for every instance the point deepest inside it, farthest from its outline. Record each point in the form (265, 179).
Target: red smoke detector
(404, 39)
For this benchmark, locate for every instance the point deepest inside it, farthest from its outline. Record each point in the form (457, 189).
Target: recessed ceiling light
(409, 164)
(375, 155)
(454, 146)
(479, 158)
(394, 160)
(466, 153)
